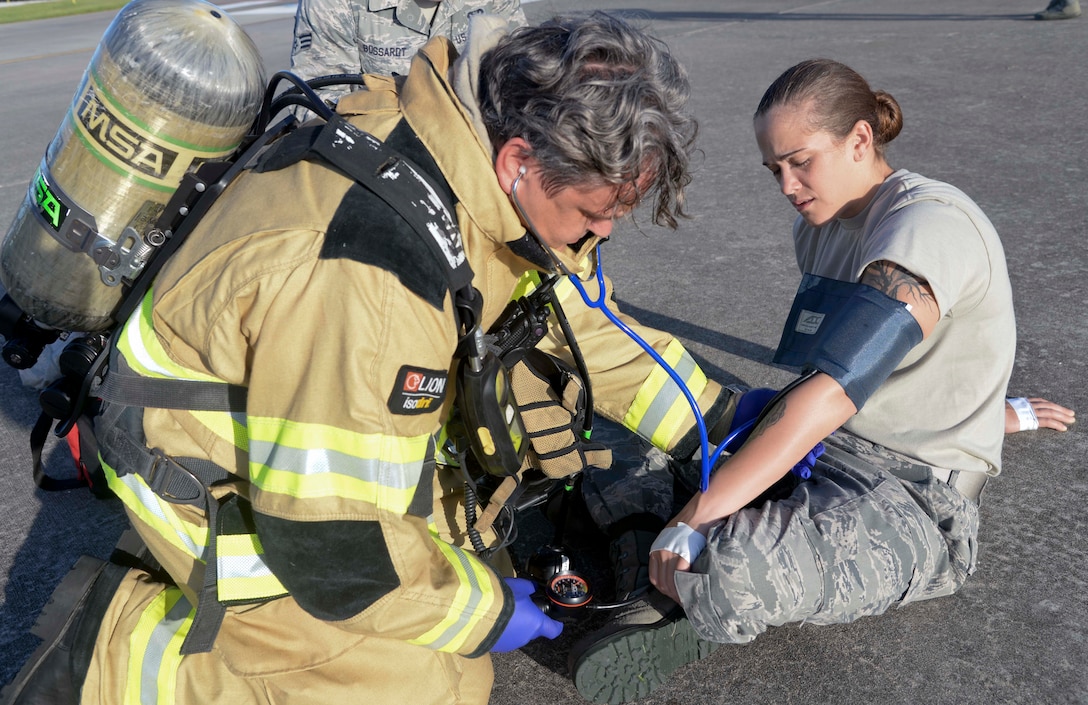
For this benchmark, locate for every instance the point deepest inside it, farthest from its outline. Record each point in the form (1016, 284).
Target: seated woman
(904, 328)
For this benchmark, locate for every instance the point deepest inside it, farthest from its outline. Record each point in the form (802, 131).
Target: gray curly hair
(600, 103)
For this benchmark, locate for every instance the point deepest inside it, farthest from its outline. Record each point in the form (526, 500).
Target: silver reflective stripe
(251, 566)
(400, 476)
(666, 397)
(474, 599)
(161, 636)
(153, 504)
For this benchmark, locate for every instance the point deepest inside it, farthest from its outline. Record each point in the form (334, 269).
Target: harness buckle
(172, 481)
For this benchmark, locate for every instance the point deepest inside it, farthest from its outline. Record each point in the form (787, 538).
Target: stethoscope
(708, 459)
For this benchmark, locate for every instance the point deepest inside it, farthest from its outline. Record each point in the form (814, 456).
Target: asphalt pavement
(994, 103)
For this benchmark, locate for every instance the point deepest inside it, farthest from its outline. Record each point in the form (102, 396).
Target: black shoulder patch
(318, 562)
(366, 229)
(404, 140)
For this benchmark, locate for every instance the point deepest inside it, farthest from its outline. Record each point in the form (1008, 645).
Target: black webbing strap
(131, 390)
(180, 481)
(210, 611)
(403, 186)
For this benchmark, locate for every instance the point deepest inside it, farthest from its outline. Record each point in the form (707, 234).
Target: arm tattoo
(890, 278)
(773, 416)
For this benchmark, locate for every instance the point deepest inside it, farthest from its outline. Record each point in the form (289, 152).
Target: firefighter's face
(559, 217)
(566, 216)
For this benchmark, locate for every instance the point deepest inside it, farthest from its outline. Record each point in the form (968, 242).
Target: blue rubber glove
(528, 621)
(748, 410)
(749, 407)
(803, 469)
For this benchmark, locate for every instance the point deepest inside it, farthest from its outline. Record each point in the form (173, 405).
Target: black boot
(68, 627)
(637, 651)
(629, 554)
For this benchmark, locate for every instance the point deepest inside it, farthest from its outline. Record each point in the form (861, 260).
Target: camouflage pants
(849, 542)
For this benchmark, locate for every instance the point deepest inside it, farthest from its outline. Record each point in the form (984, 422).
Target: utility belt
(969, 484)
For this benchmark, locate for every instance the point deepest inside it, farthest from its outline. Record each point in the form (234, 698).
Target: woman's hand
(676, 548)
(788, 432)
(1048, 414)
(663, 567)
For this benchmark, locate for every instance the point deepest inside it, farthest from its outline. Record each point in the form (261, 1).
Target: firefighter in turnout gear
(321, 557)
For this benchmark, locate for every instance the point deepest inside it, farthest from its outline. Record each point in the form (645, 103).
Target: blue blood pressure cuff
(851, 332)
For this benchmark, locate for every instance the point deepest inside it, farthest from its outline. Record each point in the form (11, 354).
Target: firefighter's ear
(513, 160)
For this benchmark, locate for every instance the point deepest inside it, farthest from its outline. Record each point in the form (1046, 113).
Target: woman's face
(565, 217)
(822, 177)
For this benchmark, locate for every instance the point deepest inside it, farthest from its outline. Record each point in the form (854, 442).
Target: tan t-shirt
(944, 403)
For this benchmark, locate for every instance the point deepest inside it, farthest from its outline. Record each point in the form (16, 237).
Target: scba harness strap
(551, 398)
(388, 175)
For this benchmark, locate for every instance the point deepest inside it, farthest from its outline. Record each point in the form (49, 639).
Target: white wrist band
(1024, 411)
(682, 540)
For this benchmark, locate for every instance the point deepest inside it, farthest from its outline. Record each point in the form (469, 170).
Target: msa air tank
(173, 84)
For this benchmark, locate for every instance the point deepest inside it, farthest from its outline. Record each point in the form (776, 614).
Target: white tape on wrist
(682, 540)
(1024, 411)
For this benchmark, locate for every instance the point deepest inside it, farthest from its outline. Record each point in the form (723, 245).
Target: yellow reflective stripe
(525, 284)
(473, 598)
(306, 460)
(144, 352)
(660, 408)
(156, 512)
(241, 571)
(229, 426)
(249, 589)
(445, 451)
(155, 649)
(529, 281)
(564, 289)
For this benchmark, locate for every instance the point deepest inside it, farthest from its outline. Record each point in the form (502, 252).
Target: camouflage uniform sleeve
(325, 42)
(511, 10)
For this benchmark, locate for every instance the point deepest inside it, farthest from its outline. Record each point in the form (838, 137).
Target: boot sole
(634, 662)
(55, 620)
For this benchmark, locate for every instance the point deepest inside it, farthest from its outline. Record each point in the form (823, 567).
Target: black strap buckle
(172, 481)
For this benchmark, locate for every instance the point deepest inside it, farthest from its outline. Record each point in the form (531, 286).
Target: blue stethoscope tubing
(708, 459)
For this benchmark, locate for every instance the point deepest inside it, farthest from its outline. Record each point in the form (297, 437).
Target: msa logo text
(114, 136)
(418, 391)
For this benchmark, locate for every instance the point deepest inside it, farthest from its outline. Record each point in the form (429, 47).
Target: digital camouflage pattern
(380, 36)
(849, 542)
